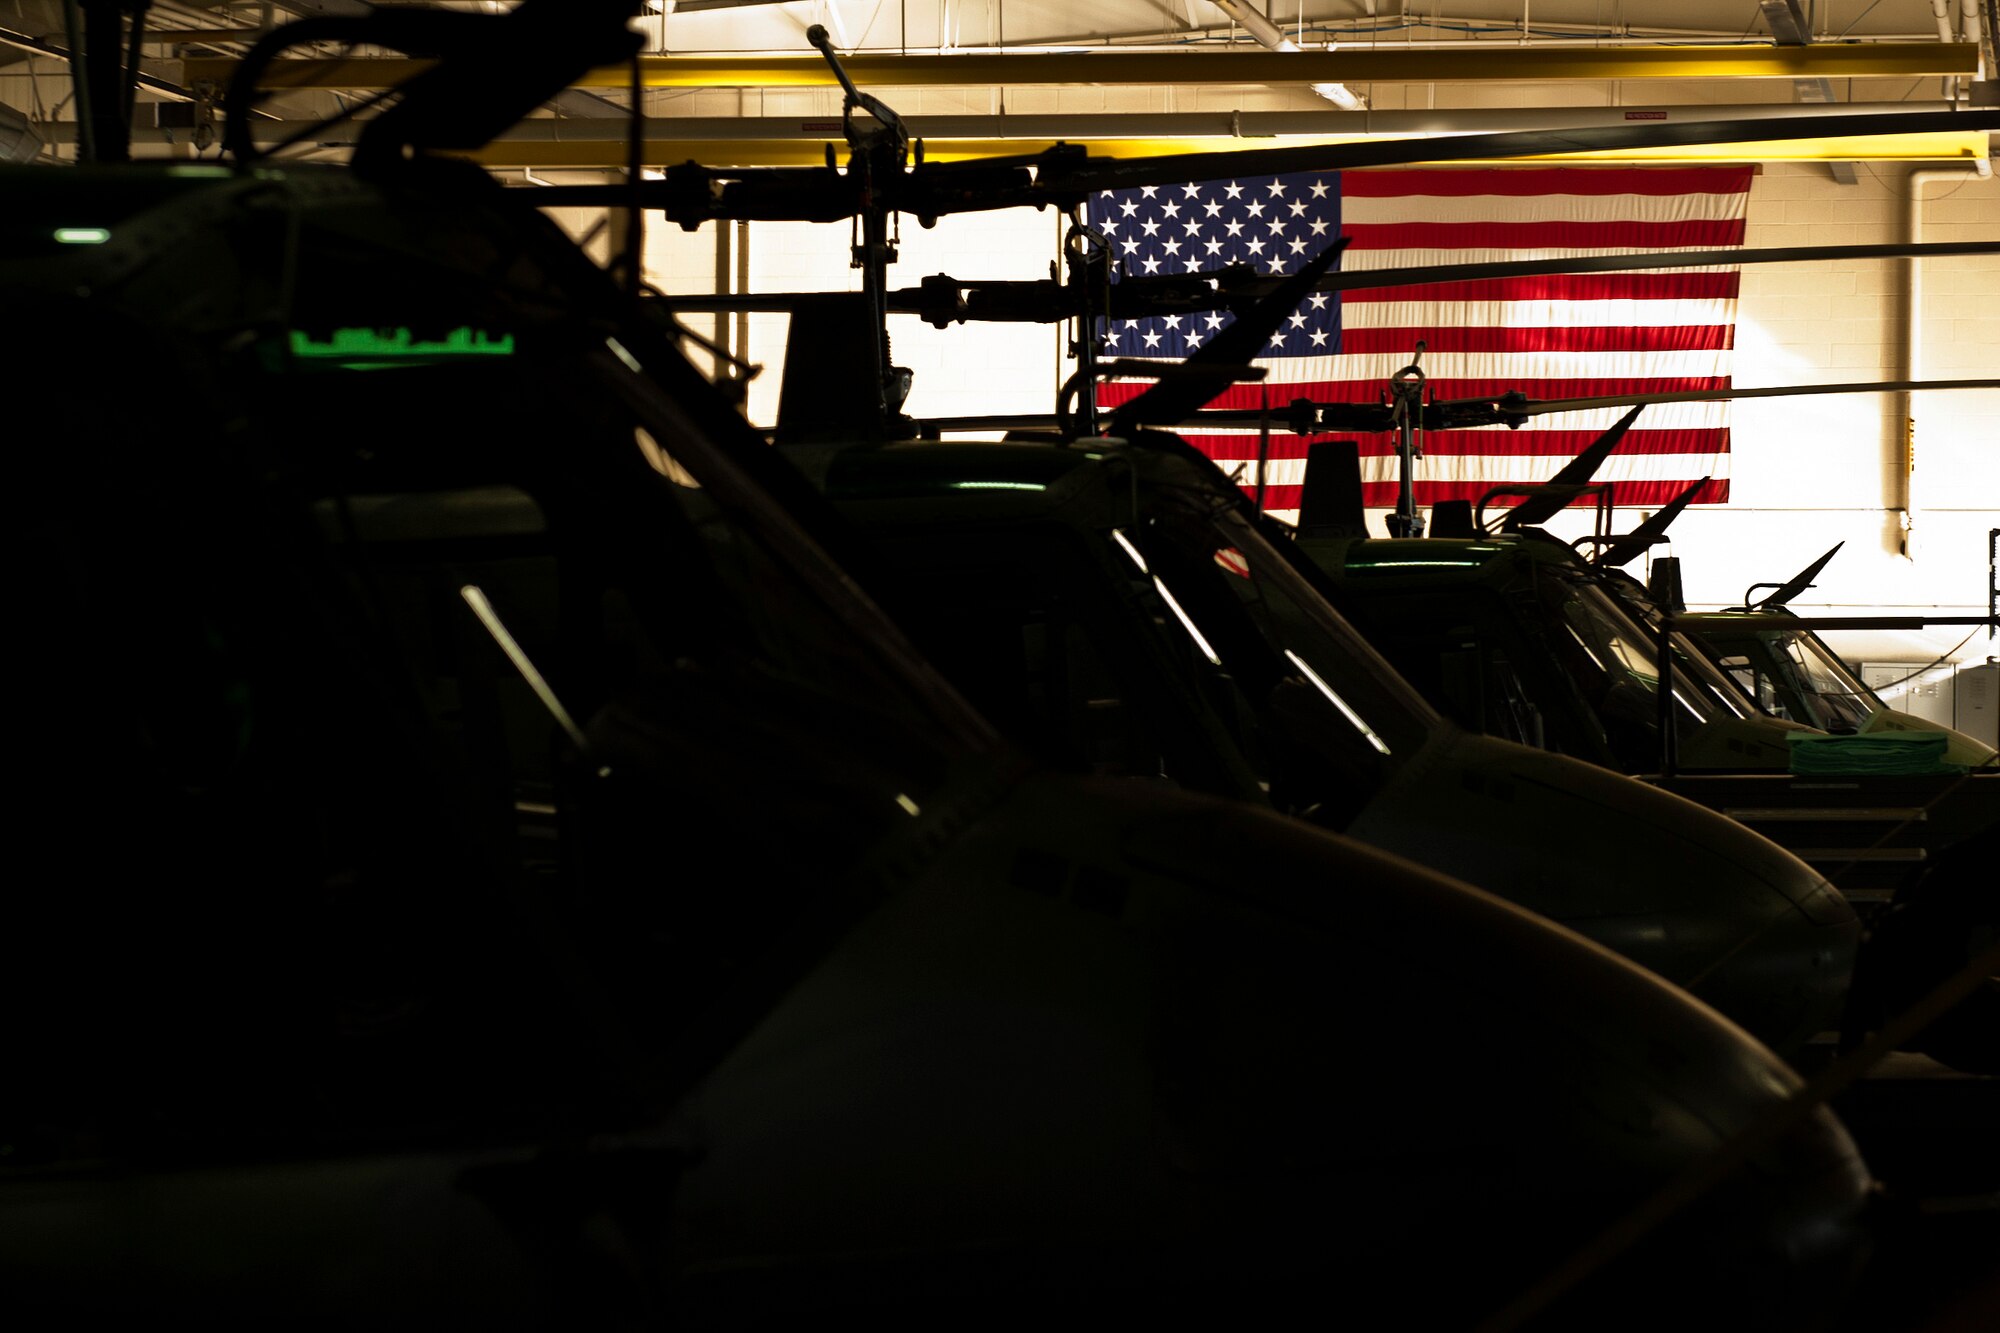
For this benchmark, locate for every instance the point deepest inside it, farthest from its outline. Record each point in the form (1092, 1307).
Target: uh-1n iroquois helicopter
(1032, 570)
(509, 872)
(1782, 662)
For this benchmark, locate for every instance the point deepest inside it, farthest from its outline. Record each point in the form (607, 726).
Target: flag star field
(1557, 336)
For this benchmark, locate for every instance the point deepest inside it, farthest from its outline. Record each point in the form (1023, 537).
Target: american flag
(1557, 336)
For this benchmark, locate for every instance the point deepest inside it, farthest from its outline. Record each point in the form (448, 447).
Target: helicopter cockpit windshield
(1793, 676)
(1120, 613)
(1614, 659)
(1245, 602)
(1256, 630)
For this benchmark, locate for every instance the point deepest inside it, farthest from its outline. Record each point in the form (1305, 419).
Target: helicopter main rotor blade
(943, 300)
(1511, 410)
(1071, 181)
(1066, 174)
(1351, 280)
(1307, 416)
(1171, 401)
(1628, 545)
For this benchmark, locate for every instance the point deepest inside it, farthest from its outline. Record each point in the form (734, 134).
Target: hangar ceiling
(1136, 70)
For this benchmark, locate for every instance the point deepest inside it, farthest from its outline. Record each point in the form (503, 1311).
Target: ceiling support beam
(600, 145)
(1257, 128)
(1480, 63)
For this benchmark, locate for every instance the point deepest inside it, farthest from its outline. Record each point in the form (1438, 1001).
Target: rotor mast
(1406, 411)
(876, 162)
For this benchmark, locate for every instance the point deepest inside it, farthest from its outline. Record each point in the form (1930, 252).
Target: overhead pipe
(1913, 325)
(1941, 15)
(1360, 30)
(1268, 35)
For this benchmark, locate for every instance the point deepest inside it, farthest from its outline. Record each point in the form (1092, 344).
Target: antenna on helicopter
(1791, 587)
(1627, 547)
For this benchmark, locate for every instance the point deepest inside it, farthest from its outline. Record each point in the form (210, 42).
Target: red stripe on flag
(1629, 234)
(1376, 183)
(1581, 338)
(1382, 494)
(1356, 391)
(1566, 287)
(1487, 443)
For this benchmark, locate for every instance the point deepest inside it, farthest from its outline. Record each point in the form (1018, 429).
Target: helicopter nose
(1681, 890)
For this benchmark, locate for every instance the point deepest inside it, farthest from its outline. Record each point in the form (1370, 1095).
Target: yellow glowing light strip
(1477, 62)
(1954, 146)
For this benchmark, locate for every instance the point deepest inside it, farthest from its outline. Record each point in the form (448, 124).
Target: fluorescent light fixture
(82, 235)
(1341, 96)
(996, 486)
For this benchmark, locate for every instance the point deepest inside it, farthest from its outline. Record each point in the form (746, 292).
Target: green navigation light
(82, 235)
(363, 349)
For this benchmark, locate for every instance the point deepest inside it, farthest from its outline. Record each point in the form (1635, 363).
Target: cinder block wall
(1809, 472)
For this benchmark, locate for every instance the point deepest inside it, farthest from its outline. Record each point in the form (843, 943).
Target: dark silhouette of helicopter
(508, 872)
(1516, 634)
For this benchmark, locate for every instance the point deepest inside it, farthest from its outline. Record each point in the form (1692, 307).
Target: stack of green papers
(1900, 753)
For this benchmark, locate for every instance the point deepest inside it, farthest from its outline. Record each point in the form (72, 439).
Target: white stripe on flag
(1358, 260)
(1534, 314)
(1392, 210)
